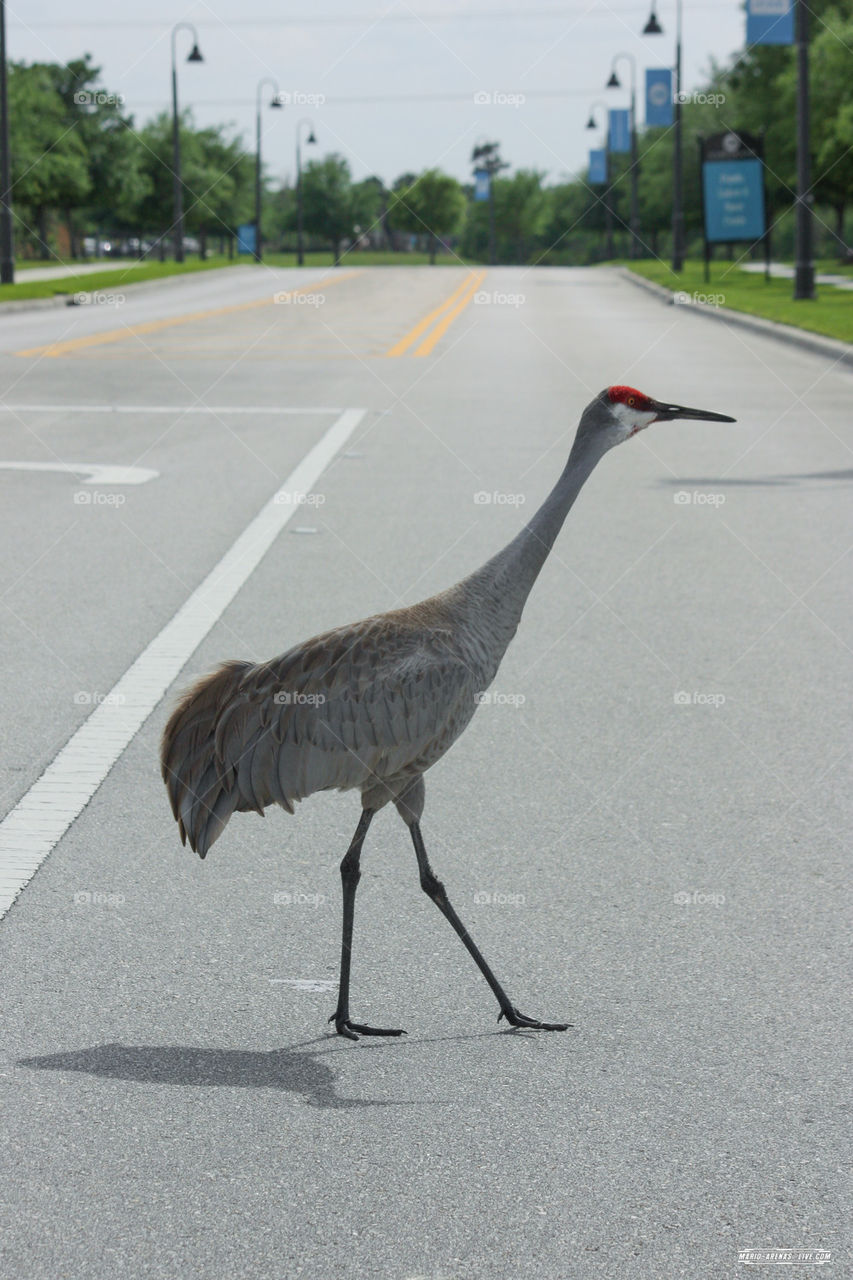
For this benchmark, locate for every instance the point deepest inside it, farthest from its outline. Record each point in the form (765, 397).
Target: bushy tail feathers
(202, 789)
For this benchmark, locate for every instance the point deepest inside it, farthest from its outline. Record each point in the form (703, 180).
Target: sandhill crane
(374, 704)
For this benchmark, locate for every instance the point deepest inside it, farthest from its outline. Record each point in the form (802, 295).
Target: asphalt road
(644, 828)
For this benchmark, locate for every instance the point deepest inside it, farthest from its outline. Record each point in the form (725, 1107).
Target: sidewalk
(74, 269)
(786, 272)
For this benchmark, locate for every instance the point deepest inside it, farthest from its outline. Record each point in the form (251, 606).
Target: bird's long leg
(350, 876)
(434, 889)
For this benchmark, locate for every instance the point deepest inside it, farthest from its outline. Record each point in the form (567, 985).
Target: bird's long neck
(499, 590)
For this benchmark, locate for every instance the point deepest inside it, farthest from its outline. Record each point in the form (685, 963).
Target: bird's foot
(516, 1019)
(352, 1030)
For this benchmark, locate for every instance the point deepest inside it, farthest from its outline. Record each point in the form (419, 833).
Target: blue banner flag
(247, 238)
(620, 131)
(597, 166)
(482, 183)
(659, 96)
(734, 200)
(770, 22)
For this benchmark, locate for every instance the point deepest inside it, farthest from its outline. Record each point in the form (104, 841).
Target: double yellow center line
(442, 318)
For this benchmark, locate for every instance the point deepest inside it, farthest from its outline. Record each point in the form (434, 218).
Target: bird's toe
(516, 1019)
(354, 1030)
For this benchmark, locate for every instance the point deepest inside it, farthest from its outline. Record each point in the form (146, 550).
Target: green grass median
(831, 314)
(110, 280)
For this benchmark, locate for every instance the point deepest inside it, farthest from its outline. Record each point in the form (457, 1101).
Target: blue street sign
(734, 200)
(482, 183)
(770, 22)
(659, 96)
(247, 240)
(619, 131)
(597, 166)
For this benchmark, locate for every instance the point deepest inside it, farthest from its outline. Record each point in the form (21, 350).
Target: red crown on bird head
(631, 397)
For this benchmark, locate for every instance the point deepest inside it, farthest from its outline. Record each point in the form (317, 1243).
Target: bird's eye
(631, 402)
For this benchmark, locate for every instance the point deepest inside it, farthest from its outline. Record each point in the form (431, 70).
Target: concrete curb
(839, 352)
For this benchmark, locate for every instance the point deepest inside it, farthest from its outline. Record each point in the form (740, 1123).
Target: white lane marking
(41, 817)
(95, 472)
(163, 408)
(308, 984)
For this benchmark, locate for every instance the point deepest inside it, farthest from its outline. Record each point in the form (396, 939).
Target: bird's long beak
(668, 412)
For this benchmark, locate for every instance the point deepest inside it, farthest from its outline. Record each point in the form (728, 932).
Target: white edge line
(40, 819)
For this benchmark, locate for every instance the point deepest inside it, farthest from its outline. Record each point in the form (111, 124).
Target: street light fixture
(653, 28)
(608, 208)
(614, 83)
(193, 56)
(275, 101)
(309, 141)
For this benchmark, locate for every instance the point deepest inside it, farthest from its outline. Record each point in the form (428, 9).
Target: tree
(521, 215)
(113, 151)
(216, 173)
(48, 156)
(434, 204)
(330, 208)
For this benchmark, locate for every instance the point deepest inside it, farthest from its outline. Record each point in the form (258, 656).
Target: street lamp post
(608, 207)
(486, 155)
(634, 219)
(300, 242)
(275, 101)
(194, 56)
(804, 283)
(653, 28)
(7, 252)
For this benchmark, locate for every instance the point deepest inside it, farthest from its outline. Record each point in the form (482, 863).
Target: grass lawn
(830, 314)
(110, 280)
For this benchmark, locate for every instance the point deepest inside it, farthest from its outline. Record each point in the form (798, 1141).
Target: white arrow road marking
(43, 815)
(95, 472)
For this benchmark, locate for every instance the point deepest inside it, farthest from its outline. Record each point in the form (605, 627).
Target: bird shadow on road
(295, 1069)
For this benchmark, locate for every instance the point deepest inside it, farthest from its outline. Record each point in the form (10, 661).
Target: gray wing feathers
(349, 707)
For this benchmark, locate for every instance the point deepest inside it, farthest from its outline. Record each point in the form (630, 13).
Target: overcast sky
(390, 85)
